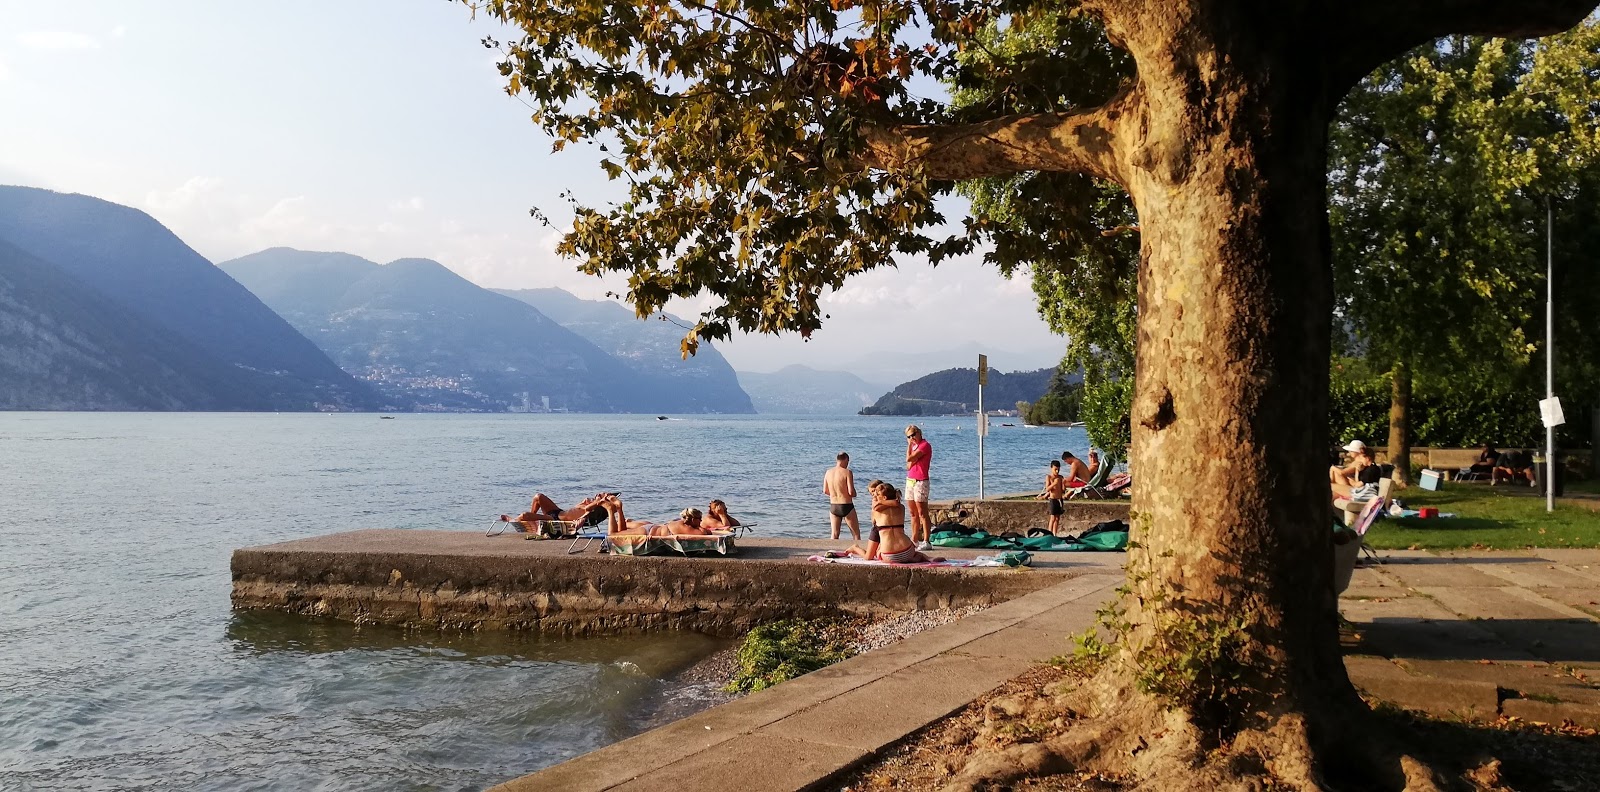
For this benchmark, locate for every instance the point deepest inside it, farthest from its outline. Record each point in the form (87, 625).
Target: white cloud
(412, 204)
(57, 40)
(119, 31)
(183, 197)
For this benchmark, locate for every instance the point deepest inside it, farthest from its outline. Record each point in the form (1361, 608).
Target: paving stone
(1527, 679)
(1538, 575)
(1545, 712)
(1439, 697)
(1020, 643)
(1494, 602)
(1421, 572)
(1418, 627)
(885, 711)
(758, 763)
(1572, 556)
(1585, 599)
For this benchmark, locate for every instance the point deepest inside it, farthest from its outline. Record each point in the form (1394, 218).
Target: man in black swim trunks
(839, 484)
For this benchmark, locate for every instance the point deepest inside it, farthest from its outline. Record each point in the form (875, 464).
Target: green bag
(956, 539)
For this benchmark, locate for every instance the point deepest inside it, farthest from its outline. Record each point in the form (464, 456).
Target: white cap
(1354, 446)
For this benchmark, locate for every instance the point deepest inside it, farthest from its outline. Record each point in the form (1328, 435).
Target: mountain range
(428, 339)
(805, 390)
(103, 308)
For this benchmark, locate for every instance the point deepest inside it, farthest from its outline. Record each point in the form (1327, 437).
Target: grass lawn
(1499, 518)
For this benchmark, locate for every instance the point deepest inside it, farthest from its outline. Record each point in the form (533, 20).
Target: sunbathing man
(887, 540)
(543, 508)
(717, 517)
(687, 524)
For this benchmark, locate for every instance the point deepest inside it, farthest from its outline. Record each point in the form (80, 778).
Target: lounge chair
(1359, 515)
(720, 543)
(1095, 486)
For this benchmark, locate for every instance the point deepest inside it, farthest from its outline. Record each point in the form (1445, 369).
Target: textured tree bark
(1400, 422)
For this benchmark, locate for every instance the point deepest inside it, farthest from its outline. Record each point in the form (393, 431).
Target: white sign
(1550, 411)
(983, 425)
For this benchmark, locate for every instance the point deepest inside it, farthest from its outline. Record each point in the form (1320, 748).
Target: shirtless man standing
(839, 484)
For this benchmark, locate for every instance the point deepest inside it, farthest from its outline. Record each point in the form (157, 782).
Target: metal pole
(1549, 354)
(983, 429)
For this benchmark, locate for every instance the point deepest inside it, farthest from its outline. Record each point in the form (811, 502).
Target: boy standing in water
(1055, 489)
(839, 484)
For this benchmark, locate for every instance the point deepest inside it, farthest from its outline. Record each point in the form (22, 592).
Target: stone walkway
(1479, 634)
(1457, 635)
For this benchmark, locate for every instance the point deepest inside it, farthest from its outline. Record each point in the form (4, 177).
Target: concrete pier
(465, 580)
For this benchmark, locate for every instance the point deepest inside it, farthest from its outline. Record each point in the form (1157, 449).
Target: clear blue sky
(380, 129)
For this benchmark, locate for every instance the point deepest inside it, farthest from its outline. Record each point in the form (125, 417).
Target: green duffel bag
(957, 539)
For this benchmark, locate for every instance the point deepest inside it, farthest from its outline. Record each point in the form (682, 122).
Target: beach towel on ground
(853, 561)
(1096, 538)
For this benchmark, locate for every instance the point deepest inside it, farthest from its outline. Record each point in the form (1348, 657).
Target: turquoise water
(122, 666)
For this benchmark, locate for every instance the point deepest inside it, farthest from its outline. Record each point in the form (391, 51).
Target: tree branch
(1074, 142)
(1373, 31)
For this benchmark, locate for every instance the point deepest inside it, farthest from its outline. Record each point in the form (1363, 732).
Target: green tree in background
(1077, 236)
(1439, 167)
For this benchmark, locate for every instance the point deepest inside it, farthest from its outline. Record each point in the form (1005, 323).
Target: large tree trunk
(1229, 637)
(1400, 422)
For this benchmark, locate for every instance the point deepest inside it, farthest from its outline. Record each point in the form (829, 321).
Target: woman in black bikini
(888, 541)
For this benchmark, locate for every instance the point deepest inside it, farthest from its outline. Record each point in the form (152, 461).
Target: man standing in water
(919, 455)
(839, 484)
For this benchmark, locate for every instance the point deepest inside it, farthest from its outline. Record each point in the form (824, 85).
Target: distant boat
(1030, 426)
(1075, 425)
(661, 417)
(1008, 424)
(386, 417)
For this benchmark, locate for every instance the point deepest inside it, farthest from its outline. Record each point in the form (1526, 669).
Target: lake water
(123, 667)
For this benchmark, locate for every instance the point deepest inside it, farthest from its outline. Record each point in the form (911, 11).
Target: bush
(783, 650)
(1107, 405)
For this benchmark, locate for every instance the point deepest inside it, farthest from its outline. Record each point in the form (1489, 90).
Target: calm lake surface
(122, 666)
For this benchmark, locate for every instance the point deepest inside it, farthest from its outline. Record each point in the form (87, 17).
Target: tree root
(1150, 748)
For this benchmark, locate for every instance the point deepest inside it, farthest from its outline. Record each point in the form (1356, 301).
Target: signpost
(1550, 408)
(983, 419)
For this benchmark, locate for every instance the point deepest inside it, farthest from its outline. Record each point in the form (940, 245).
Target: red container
(1427, 512)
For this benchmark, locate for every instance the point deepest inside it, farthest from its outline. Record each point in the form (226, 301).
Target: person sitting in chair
(1346, 474)
(1076, 472)
(687, 524)
(1488, 460)
(717, 517)
(1363, 485)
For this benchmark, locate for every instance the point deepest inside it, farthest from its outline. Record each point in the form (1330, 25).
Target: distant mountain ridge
(428, 339)
(135, 319)
(651, 348)
(956, 391)
(797, 389)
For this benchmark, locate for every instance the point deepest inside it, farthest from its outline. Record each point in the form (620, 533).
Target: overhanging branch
(1075, 142)
(1374, 31)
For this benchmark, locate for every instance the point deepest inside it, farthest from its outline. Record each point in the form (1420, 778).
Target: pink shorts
(917, 490)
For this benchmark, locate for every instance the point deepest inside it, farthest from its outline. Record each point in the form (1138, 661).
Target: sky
(381, 128)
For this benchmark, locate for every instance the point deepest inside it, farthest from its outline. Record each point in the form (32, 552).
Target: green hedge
(1458, 418)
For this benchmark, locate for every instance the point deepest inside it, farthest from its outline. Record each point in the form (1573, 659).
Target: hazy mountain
(801, 389)
(906, 365)
(61, 349)
(226, 349)
(429, 339)
(956, 391)
(650, 347)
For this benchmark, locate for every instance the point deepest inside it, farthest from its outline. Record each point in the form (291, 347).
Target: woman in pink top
(919, 455)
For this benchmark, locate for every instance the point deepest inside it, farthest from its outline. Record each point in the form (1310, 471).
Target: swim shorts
(1056, 509)
(842, 509)
(916, 490)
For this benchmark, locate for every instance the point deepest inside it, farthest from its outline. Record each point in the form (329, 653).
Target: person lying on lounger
(717, 517)
(543, 508)
(887, 540)
(687, 524)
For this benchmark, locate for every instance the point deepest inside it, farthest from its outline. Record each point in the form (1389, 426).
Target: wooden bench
(1450, 461)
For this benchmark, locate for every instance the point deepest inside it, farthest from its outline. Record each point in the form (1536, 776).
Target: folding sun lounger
(689, 544)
